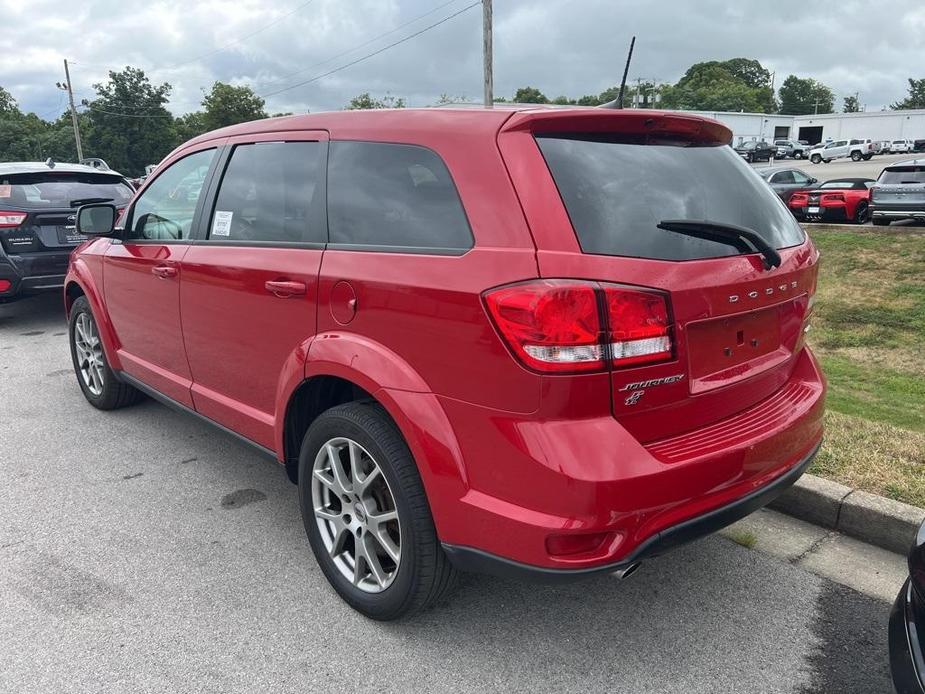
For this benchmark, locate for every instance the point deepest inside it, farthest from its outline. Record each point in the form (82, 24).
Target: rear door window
(905, 174)
(617, 191)
(271, 193)
(393, 196)
(62, 190)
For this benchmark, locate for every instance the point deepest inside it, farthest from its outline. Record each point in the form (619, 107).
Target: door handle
(284, 288)
(164, 271)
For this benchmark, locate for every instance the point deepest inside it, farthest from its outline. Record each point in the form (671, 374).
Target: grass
(869, 332)
(745, 538)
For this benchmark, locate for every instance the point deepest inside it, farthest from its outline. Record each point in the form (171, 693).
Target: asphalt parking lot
(841, 167)
(142, 551)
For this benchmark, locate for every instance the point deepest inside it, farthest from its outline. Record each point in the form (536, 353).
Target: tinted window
(906, 174)
(166, 208)
(55, 190)
(782, 177)
(800, 178)
(393, 195)
(855, 142)
(616, 193)
(268, 193)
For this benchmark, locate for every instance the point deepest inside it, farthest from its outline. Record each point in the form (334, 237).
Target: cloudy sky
(570, 47)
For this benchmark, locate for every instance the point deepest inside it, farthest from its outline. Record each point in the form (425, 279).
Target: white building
(876, 125)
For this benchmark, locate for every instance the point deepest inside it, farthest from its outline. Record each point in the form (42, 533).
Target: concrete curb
(891, 525)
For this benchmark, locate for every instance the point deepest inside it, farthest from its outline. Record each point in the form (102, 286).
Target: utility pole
(486, 53)
(70, 95)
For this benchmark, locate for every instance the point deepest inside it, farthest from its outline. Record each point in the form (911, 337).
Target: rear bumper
(529, 481)
(893, 213)
(33, 273)
(906, 657)
(825, 214)
(469, 559)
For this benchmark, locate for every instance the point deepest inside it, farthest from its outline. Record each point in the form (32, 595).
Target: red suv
(538, 343)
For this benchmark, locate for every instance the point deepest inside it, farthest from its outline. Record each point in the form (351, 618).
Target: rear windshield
(907, 174)
(616, 192)
(55, 190)
(899, 142)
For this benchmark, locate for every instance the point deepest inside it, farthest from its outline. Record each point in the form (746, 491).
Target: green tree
(189, 125)
(364, 101)
(740, 84)
(226, 105)
(916, 98)
(851, 104)
(801, 96)
(529, 95)
(563, 101)
(129, 124)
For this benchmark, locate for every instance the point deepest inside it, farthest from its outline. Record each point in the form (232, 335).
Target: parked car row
(898, 194)
(856, 150)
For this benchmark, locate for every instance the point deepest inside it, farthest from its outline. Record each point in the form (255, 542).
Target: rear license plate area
(728, 349)
(812, 210)
(69, 236)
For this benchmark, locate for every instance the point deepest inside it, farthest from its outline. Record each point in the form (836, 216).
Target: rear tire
(340, 511)
(856, 156)
(798, 155)
(861, 213)
(99, 384)
(868, 157)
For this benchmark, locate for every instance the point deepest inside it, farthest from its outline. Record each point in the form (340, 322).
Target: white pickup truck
(840, 149)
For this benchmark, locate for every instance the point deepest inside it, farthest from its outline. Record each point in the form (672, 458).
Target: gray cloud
(562, 47)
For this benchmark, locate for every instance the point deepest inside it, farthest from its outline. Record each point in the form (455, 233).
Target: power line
(357, 47)
(93, 107)
(374, 53)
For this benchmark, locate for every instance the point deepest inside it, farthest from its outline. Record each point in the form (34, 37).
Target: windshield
(55, 190)
(616, 193)
(749, 145)
(837, 184)
(908, 174)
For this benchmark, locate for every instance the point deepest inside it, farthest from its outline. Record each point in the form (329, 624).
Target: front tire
(366, 514)
(815, 159)
(99, 384)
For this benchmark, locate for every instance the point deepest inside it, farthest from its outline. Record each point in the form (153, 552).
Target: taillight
(833, 197)
(552, 325)
(798, 197)
(5, 285)
(558, 325)
(639, 328)
(11, 219)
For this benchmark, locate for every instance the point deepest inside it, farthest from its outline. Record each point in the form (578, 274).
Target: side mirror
(98, 219)
(813, 181)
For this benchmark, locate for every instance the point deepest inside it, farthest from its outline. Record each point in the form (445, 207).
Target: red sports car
(841, 200)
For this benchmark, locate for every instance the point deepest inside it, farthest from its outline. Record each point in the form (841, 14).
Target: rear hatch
(736, 321)
(37, 210)
(901, 187)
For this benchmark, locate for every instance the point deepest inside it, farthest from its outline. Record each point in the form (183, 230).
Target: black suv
(899, 193)
(37, 232)
(756, 151)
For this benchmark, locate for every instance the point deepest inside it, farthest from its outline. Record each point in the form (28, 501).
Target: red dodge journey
(529, 342)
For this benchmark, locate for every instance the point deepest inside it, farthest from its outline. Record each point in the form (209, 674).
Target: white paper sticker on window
(6, 191)
(221, 223)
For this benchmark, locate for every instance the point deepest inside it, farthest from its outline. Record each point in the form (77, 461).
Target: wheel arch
(80, 282)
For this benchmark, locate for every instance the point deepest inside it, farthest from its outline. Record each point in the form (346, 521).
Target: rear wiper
(720, 231)
(88, 201)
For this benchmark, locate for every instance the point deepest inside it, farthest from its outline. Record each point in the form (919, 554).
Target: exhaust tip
(628, 571)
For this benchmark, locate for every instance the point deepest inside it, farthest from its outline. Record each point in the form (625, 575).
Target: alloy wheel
(356, 515)
(89, 350)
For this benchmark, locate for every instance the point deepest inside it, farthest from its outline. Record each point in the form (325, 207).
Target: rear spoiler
(624, 121)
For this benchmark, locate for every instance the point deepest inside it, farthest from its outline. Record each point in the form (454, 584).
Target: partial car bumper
(906, 662)
(538, 482)
(31, 273)
(825, 214)
(897, 214)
